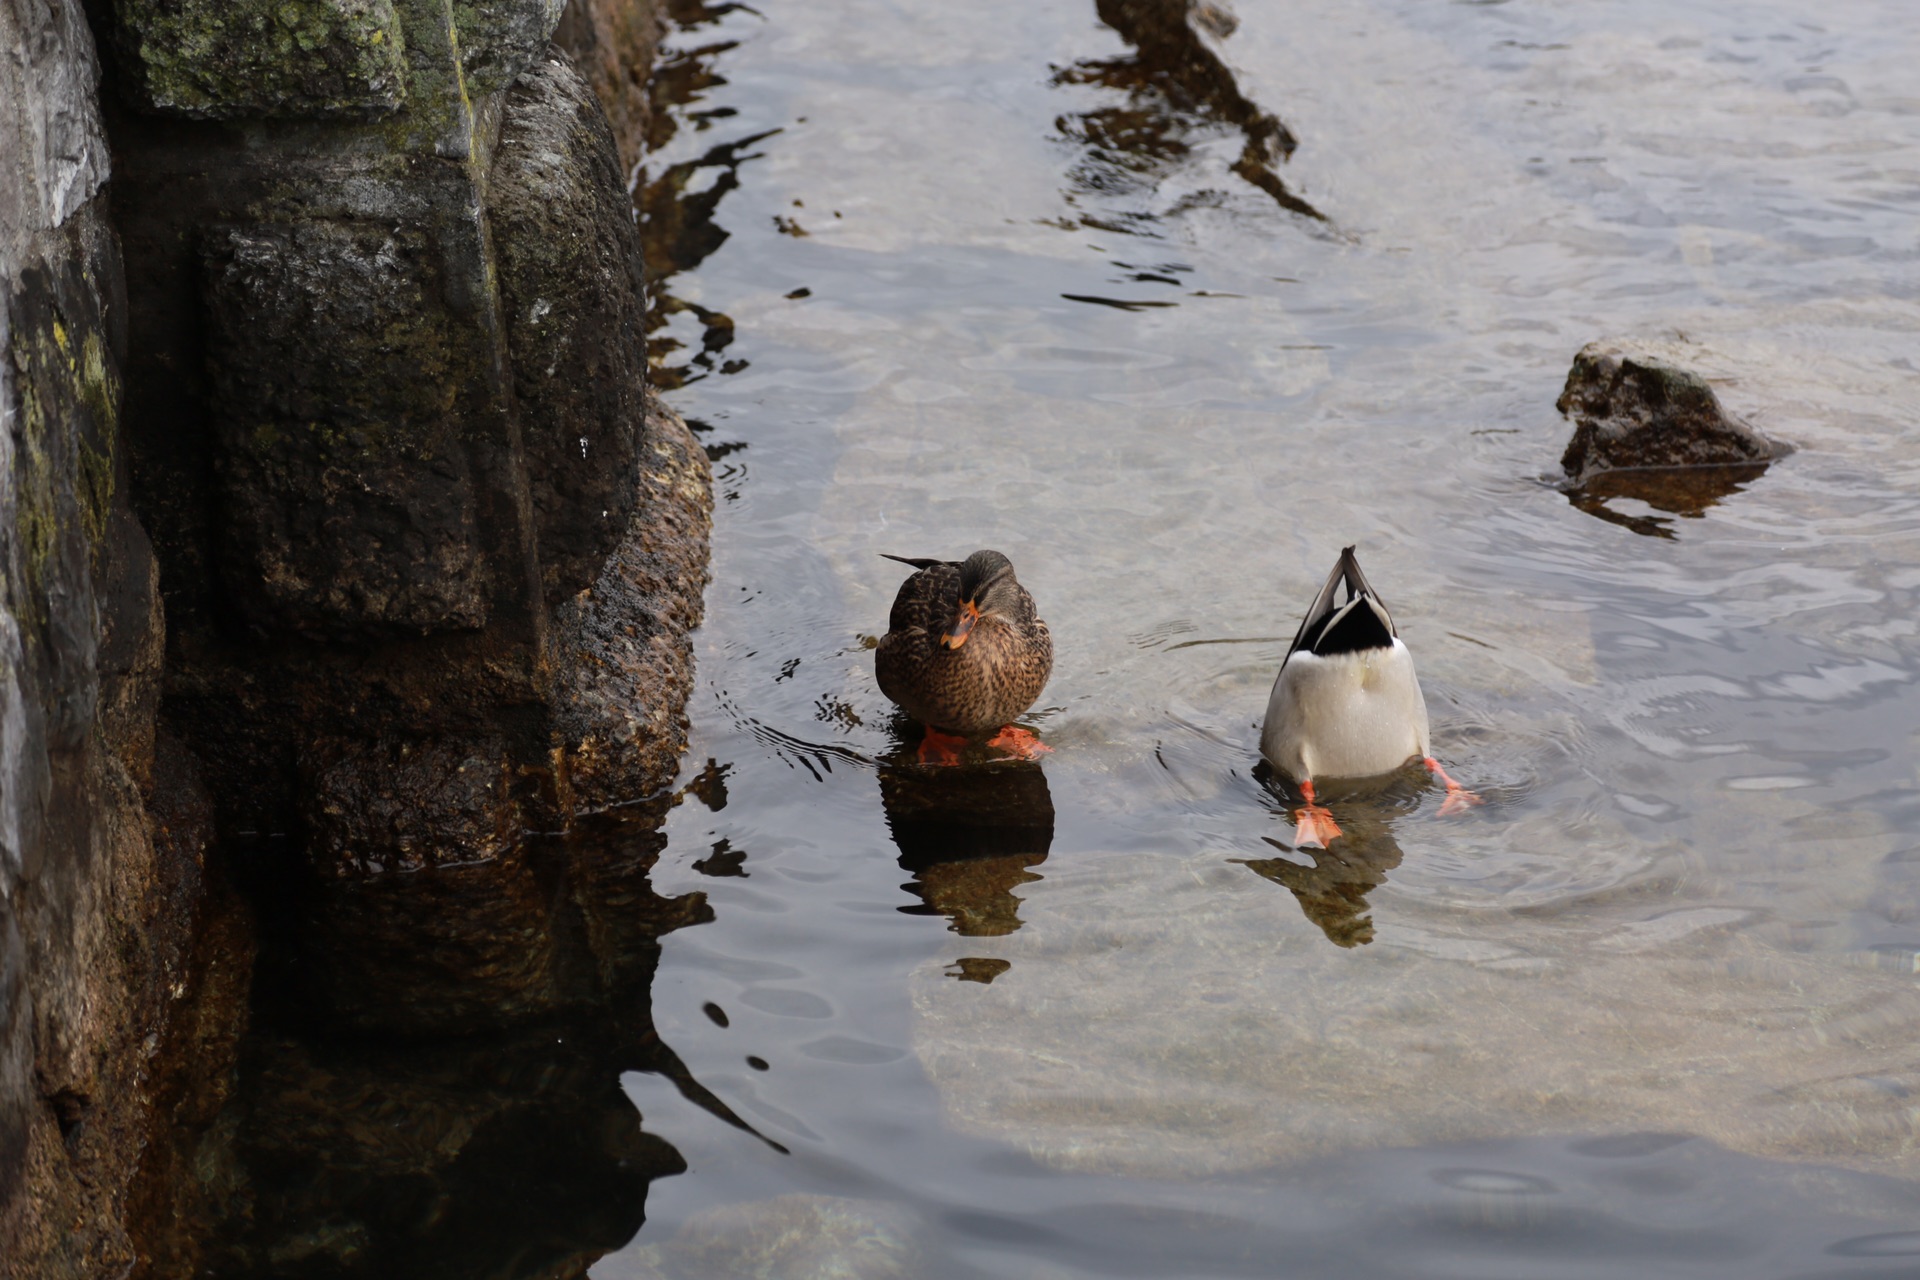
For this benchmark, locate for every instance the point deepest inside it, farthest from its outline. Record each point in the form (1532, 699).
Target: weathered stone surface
(613, 44)
(1633, 407)
(219, 59)
(189, 1176)
(133, 645)
(338, 382)
(423, 911)
(499, 39)
(354, 448)
(622, 654)
(53, 155)
(571, 287)
(375, 807)
(97, 893)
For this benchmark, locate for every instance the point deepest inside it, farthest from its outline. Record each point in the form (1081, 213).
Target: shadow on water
(1179, 97)
(969, 836)
(1681, 491)
(1332, 884)
(413, 1100)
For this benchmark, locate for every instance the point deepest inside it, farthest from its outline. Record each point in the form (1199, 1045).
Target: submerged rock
(794, 1237)
(1633, 408)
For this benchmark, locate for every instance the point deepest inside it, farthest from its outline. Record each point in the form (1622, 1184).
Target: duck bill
(956, 635)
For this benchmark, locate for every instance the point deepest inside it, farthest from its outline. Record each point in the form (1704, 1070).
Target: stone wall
(103, 829)
(355, 334)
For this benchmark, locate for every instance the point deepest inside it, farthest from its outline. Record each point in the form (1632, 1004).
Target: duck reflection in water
(1331, 884)
(969, 837)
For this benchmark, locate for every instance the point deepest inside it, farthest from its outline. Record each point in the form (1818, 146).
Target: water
(941, 277)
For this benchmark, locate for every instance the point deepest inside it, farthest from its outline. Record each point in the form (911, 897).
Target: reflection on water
(454, 1114)
(1685, 908)
(676, 205)
(1180, 97)
(1624, 1205)
(1681, 491)
(1332, 884)
(1688, 908)
(1684, 913)
(969, 836)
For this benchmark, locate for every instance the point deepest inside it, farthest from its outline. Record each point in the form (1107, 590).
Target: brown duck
(965, 654)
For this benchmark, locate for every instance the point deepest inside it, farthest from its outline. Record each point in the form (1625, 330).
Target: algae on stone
(222, 59)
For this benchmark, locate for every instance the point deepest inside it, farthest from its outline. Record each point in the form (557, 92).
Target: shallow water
(939, 277)
(1042, 313)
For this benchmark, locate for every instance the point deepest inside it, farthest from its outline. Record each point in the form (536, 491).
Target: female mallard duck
(1346, 703)
(965, 653)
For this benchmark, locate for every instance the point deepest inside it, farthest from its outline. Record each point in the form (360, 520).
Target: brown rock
(622, 652)
(1632, 408)
(613, 42)
(571, 290)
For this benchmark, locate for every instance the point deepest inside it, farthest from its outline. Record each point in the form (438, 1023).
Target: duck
(965, 654)
(1347, 703)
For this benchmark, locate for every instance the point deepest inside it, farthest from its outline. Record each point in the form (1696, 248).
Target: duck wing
(927, 600)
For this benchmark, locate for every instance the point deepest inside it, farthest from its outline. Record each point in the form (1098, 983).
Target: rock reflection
(969, 835)
(1680, 491)
(1179, 94)
(490, 1134)
(1332, 888)
(676, 204)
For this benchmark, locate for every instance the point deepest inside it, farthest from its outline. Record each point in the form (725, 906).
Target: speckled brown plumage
(990, 679)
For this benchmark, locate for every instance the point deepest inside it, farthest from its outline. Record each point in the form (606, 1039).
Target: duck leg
(1019, 743)
(941, 748)
(1313, 825)
(1459, 799)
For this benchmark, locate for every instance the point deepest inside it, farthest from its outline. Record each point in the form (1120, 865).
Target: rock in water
(1633, 409)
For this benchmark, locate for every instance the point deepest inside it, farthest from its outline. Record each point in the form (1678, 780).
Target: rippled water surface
(1007, 275)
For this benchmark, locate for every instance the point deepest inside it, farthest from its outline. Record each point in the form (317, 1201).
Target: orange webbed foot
(1019, 743)
(940, 748)
(1313, 825)
(1459, 799)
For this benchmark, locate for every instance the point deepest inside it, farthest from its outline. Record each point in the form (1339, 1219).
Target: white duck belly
(1347, 715)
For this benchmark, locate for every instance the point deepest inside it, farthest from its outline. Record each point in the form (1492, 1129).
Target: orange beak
(962, 627)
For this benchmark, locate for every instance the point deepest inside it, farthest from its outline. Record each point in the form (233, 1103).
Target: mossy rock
(219, 59)
(1632, 408)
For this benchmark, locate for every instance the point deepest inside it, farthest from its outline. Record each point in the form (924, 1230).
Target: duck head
(987, 589)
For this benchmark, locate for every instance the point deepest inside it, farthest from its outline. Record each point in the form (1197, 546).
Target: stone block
(613, 43)
(499, 39)
(571, 288)
(622, 652)
(340, 379)
(425, 913)
(222, 59)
